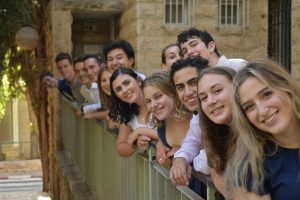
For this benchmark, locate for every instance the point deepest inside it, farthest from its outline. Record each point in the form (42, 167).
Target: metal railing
(109, 176)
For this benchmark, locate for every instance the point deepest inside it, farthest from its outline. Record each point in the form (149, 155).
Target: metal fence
(22, 150)
(92, 147)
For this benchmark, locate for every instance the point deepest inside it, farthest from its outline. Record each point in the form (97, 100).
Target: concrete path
(21, 180)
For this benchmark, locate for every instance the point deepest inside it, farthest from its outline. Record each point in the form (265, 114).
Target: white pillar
(15, 117)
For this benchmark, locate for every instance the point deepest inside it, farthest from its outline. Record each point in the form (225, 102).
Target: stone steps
(20, 183)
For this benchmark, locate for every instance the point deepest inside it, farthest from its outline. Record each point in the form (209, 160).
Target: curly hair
(197, 62)
(121, 111)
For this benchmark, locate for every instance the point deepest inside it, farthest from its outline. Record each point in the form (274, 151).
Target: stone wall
(295, 39)
(142, 23)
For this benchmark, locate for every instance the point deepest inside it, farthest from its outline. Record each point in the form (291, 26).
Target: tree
(20, 66)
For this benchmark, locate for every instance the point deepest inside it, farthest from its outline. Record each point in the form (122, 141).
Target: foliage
(17, 71)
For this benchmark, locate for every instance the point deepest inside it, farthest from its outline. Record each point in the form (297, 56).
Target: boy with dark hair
(114, 52)
(184, 76)
(195, 42)
(120, 53)
(92, 64)
(69, 86)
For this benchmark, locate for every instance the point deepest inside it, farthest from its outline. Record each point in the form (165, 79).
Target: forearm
(149, 132)
(124, 149)
(99, 115)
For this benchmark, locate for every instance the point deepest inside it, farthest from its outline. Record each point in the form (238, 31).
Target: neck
(290, 138)
(140, 103)
(213, 60)
(70, 79)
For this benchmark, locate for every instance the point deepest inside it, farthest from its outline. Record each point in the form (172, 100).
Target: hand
(180, 172)
(132, 138)
(88, 114)
(172, 151)
(50, 82)
(79, 112)
(143, 142)
(161, 153)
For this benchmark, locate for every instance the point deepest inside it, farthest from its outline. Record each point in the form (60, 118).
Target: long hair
(105, 99)
(161, 81)
(253, 144)
(218, 139)
(121, 111)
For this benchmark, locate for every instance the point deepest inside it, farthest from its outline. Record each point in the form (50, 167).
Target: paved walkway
(18, 170)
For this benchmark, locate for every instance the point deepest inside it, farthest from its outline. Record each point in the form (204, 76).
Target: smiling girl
(214, 91)
(266, 163)
(170, 118)
(129, 109)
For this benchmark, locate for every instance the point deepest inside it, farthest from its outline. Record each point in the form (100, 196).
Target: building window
(279, 32)
(233, 12)
(177, 12)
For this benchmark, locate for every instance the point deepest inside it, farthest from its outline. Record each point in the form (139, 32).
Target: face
(80, 73)
(196, 47)
(104, 82)
(65, 69)
(264, 108)
(186, 87)
(214, 93)
(172, 55)
(158, 103)
(126, 88)
(117, 58)
(92, 68)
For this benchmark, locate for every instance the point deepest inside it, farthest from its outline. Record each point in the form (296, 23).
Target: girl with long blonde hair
(266, 110)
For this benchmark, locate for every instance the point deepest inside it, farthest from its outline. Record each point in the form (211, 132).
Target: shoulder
(233, 63)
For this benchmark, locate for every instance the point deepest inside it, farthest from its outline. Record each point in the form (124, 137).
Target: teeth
(191, 100)
(217, 109)
(270, 119)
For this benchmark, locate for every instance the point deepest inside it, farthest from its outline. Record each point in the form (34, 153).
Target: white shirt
(191, 144)
(135, 124)
(92, 97)
(200, 162)
(191, 148)
(234, 63)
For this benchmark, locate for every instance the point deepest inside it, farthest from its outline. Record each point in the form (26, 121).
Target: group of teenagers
(235, 120)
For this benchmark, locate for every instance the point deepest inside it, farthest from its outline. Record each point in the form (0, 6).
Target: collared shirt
(234, 63)
(191, 144)
(91, 94)
(92, 97)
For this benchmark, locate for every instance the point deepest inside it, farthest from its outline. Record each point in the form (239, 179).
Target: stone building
(241, 28)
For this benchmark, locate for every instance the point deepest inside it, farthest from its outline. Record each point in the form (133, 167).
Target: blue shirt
(282, 174)
(65, 89)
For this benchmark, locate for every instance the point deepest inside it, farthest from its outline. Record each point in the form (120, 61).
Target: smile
(217, 110)
(191, 100)
(270, 119)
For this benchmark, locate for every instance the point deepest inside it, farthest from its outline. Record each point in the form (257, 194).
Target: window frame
(187, 14)
(241, 10)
